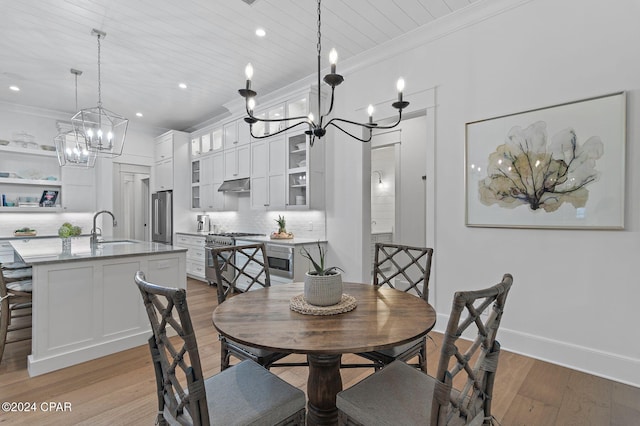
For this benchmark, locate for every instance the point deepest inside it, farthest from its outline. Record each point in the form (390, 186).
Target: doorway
(398, 184)
(131, 201)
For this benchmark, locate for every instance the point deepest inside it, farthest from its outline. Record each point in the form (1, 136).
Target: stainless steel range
(221, 240)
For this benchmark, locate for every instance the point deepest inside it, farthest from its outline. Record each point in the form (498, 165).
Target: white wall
(574, 290)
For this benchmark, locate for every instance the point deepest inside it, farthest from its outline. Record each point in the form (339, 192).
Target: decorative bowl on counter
(25, 232)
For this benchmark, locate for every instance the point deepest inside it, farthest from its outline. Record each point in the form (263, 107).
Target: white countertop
(194, 233)
(292, 242)
(49, 250)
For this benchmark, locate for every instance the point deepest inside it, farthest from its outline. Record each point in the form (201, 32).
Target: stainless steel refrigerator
(162, 217)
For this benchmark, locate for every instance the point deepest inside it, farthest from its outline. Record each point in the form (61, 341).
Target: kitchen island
(85, 302)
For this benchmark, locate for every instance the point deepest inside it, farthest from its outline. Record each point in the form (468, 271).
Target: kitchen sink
(112, 242)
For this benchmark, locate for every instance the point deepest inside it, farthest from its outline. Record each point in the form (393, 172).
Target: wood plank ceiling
(152, 45)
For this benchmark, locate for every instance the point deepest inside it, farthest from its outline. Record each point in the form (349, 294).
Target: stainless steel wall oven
(280, 260)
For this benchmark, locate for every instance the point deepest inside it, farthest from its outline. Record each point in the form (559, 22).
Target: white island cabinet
(85, 302)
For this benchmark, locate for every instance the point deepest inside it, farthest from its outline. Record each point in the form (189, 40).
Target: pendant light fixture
(318, 128)
(70, 144)
(103, 130)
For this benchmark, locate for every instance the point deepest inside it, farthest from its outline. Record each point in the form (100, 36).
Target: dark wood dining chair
(244, 264)
(405, 268)
(401, 395)
(16, 290)
(246, 394)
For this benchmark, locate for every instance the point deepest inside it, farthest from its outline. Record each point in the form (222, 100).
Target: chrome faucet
(94, 232)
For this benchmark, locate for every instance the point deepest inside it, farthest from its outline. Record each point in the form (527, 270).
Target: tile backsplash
(44, 223)
(303, 224)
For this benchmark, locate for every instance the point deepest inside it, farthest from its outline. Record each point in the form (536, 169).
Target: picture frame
(561, 166)
(48, 198)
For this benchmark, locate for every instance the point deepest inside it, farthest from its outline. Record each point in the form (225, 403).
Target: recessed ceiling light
(138, 114)
(260, 32)
(182, 85)
(14, 88)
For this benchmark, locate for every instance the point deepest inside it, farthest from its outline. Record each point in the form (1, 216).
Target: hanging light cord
(76, 76)
(319, 47)
(99, 77)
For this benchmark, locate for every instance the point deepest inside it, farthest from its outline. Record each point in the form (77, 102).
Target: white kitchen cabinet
(78, 189)
(164, 147)
(230, 131)
(217, 138)
(268, 173)
(196, 255)
(236, 133)
(205, 143)
(211, 175)
(195, 184)
(237, 162)
(164, 175)
(163, 167)
(305, 173)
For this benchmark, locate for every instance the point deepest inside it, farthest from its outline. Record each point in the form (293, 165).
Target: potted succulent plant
(322, 284)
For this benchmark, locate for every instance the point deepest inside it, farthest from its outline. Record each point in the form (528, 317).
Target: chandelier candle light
(317, 129)
(103, 130)
(71, 146)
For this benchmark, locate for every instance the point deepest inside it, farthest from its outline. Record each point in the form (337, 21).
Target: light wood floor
(120, 389)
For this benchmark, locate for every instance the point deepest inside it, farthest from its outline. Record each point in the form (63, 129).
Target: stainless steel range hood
(236, 185)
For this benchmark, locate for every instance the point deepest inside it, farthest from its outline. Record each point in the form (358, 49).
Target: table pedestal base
(322, 387)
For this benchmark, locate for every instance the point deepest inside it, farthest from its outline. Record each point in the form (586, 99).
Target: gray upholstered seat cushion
(397, 395)
(14, 265)
(388, 397)
(249, 394)
(24, 285)
(16, 274)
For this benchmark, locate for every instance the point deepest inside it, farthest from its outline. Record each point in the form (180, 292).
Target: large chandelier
(103, 130)
(318, 128)
(70, 144)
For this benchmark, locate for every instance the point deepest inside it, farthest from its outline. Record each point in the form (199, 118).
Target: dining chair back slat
(408, 269)
(461, 391)
(247, 264)
(246, 394)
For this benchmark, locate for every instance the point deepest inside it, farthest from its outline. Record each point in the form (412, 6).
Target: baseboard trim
(619, 368)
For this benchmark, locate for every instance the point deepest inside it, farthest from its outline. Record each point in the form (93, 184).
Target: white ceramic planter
(323, 290)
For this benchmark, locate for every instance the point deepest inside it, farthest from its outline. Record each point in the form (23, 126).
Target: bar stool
(16, 289)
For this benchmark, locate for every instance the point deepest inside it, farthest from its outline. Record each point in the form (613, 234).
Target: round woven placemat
(298, 304)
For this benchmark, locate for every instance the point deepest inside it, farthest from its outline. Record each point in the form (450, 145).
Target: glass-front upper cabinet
(262, 128)
(216, 139)
(297, 179)
(297, 108)
(205, 143)
(195, 147)
(195, 171)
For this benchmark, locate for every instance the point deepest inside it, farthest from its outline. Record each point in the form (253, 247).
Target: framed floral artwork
(561, 166)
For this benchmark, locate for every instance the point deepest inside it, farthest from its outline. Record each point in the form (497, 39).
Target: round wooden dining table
(383, 318)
